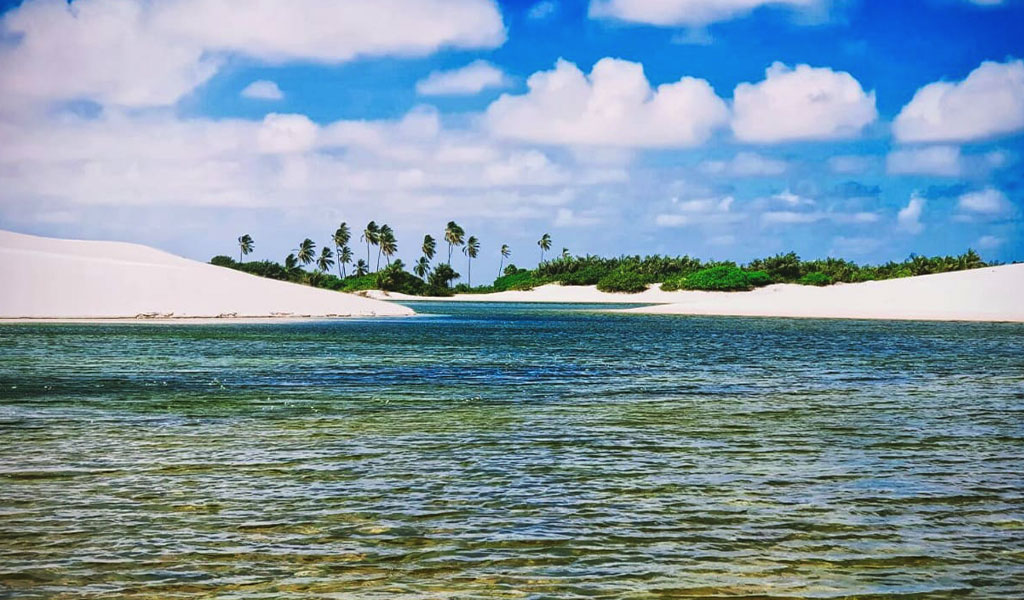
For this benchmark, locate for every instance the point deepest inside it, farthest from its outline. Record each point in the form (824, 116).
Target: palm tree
(326, 260)
(291, 265)
(453, 234)
(388, 243)
(370, 236)
(383, 233)
(422, 267)
(565, 252)
(545, 244)
(344, 257)
(429, 247)
(361, 268)
(505, 253)
(341, 237)
(471, 249)
(306, 251)
(245, 246)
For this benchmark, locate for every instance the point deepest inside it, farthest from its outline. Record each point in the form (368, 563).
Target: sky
(725, 129)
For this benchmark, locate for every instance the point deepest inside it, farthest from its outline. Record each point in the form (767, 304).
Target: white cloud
(137, 53)
(987, 242)
(470, 79)
(850, 165)
(683, 12)
(285, 134)
(802, 103)
(942, 161)
(542, 10)
(792, 217)
(909, 217)
(745, 164)
(988, 201)
(567, 217)
(613, 106)
(988, 103)
(703, 211)
(262, 90)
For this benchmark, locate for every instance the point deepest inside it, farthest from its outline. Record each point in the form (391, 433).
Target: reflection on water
(521, 452)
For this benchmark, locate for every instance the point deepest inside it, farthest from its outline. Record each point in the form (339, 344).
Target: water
(513, 452)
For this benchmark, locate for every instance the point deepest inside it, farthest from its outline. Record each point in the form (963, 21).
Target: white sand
(45, 278)
(989, 294)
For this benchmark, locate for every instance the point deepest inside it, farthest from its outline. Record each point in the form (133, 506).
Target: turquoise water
(507, 451)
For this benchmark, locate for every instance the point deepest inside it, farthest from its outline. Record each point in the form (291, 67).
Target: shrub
(815, 278)
(758, 278)
(722, 278)
(622, 281)
(223, 261)
(519, 280)
(589, 275)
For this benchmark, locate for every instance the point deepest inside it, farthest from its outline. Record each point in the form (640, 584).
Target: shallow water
(513, 451)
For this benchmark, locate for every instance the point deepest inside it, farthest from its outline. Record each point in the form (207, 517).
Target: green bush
(815, 278)
(518, 280)
(623, 281)
(758, 278)
(722, 278)
(589, 275)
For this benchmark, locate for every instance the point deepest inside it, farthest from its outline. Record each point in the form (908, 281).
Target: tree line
(628, 274)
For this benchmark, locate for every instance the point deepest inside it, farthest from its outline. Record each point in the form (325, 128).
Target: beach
(53, 279)
(986, 294)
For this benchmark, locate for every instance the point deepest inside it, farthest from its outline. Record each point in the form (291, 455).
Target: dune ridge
(48, 278)
(986, 294)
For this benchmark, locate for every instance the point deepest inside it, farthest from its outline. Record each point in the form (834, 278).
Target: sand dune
(47, 278)
(989, 294)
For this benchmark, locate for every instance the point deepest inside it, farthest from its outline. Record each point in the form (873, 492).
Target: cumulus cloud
(988, 242)
(262, 90)
(684, 12)
(745, 164)
(699, 211)
(801, 103)
(988, 103)
(943, 161)
(470, 79)
(850, 165)
(612, 106)
(988, 201)
(137, 53)
(542, 10)
(909, 217)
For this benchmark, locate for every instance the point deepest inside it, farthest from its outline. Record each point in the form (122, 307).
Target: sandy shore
(49, 279)
(989, 294)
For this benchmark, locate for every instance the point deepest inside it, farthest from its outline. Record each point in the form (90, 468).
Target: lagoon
(521, 451)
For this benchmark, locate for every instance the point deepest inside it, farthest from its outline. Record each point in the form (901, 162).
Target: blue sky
(867, 130)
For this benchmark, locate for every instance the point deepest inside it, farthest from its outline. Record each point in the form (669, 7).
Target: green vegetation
(624, 274)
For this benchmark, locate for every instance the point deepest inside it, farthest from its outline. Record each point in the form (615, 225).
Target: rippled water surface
(513, 452)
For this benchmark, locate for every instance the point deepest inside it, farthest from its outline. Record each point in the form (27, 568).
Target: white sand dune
(989, 294)
(46, 278)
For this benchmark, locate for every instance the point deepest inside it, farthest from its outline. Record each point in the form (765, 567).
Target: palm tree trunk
(378, 258)
(367, 254)
(501, 263)
(338, 250)
(469, 272)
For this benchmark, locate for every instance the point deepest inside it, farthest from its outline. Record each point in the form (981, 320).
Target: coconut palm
(341, 237)
(565, 253)
(454, 235)
(245, 246)
(306, 251)
(383, 233)
(471, 250)
(388, 243)
(429, 247)
(370, 236)
(291, 265)
(326, 260)
(505, 253)
(422, 267)
(344, 257)
(545, 244)
(361, 268)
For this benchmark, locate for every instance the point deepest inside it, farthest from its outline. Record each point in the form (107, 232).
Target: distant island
(623, 274)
